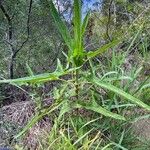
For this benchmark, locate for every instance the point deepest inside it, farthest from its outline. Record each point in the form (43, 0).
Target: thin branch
(109, 19)
(5, 12)
(28, 28)
(8, 19)
(8, 42)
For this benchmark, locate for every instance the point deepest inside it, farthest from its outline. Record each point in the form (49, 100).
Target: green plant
(76, 58)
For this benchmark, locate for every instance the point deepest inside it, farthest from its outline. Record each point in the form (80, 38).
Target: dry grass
(20, 113)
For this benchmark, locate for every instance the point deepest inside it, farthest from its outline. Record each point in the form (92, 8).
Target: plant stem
(77, 93)
(77, 84)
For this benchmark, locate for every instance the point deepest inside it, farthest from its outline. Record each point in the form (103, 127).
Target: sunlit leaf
(103, 49)
(59, 66)
(78, 51)
(41, 78)
(77, 21)
(34, 79)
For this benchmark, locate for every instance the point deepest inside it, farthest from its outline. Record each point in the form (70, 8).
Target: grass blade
(120, 92)
(83, 136)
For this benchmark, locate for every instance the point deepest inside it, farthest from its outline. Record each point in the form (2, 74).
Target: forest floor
(15, 116)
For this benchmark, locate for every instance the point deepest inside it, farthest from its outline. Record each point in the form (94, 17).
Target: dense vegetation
(75, 75)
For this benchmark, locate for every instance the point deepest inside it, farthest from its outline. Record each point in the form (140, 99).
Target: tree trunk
(11, 67)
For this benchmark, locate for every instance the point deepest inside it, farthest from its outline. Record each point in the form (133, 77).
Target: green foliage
(99, 109)
(60, 25)
(120, 92)
(80, 91)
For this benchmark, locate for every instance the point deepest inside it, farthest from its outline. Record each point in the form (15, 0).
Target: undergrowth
(92, 107)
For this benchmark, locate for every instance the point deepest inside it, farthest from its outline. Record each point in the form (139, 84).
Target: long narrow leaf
(60, 24)
(30, 72)
(77, 20)
(41, 78)
(120, 92)
(34, 79)
(83, 136)
(84, 24)
(78, 50)
(100, 110)
(103, 49)
(105, 112)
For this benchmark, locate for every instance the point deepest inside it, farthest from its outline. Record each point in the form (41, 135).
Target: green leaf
(101, 110)
(59, 66)
(146, 86)
(41, 78)
(60, 25)
(77, 21)
(103, 49)
(83, 136)
(29, 70)
(64, 109)
(78, 51)
(85, 23)
(106, 147)
(120, 92)
(131, 45)
(34, 79)
(105, 112)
